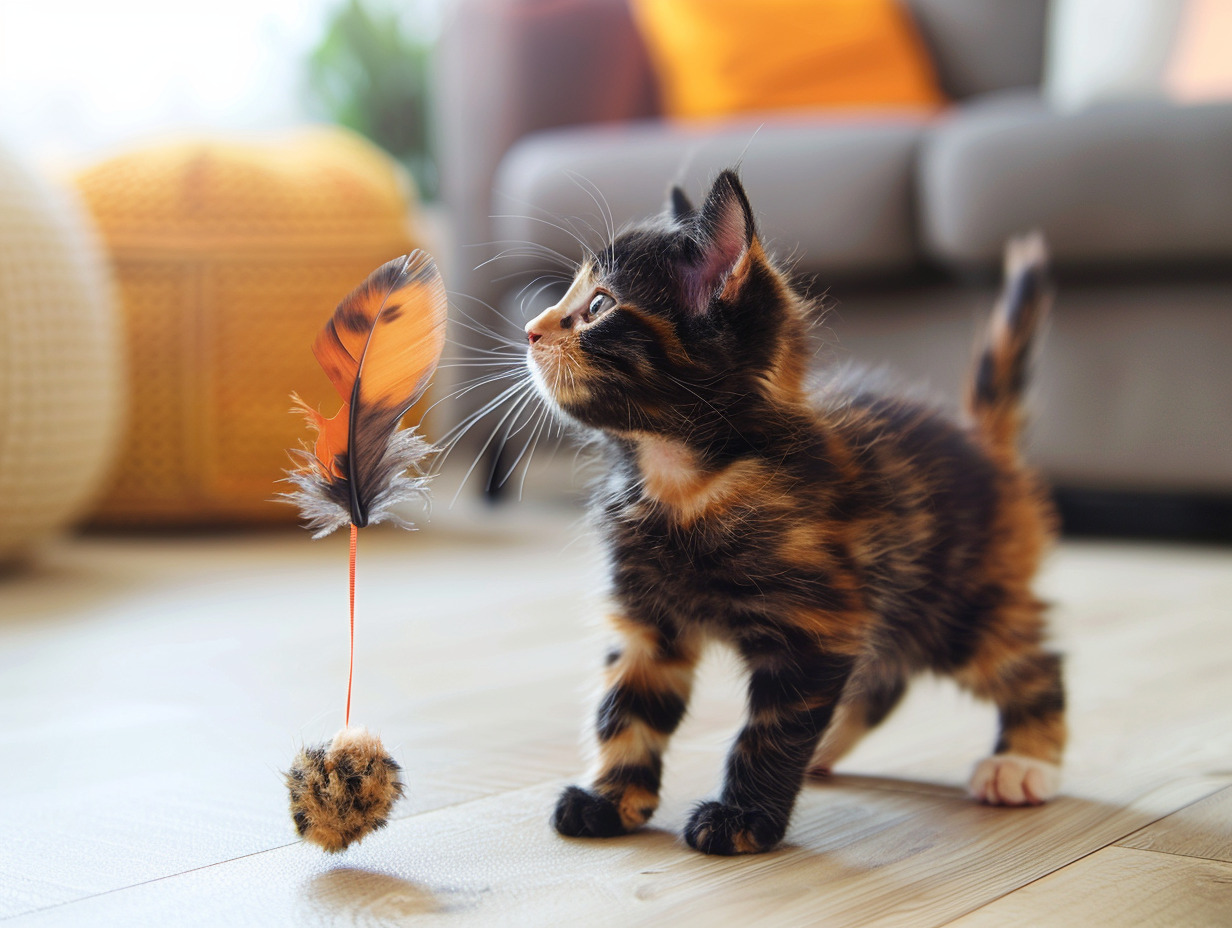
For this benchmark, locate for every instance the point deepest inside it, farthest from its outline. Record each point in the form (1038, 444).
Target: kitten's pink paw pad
(1014, 780)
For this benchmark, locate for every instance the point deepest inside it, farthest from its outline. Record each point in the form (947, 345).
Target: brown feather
(379, 349)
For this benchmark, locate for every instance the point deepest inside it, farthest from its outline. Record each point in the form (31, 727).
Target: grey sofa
(547, 106)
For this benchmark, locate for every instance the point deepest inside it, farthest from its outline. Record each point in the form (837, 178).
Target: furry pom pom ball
(343, 791)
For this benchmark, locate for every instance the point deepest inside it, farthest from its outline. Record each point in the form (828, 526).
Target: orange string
(351, 667)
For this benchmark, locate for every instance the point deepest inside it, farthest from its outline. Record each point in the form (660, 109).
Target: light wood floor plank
(1203, 829)
(1119, 886)
(158, 688)
(153, 688)
(859, 857)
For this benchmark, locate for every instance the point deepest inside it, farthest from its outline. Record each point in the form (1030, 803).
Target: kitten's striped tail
(995, 397)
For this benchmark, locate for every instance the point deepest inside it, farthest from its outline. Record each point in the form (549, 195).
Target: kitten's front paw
(1014, 780)
(581, 814)
(716, 828)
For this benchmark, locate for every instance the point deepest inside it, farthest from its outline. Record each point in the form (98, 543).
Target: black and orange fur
(840, 540)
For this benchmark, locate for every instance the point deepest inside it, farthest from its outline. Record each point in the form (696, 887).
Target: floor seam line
(1151, 850)
(1016, 889)
(1113, 843)
(156, 879)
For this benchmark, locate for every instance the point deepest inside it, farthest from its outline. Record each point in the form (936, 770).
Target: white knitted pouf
(60, 383)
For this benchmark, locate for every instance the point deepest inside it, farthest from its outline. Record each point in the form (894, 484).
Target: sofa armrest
(506, 68)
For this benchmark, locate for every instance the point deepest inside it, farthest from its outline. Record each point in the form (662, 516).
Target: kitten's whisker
(508, 353)
(524, 298)
(521, 248)
(504, 340)
(455, 442)
(467, 349)
(452, 364)
(532, 421)
(551, 223)
(567, 228)
(544, 416)
(506, 347)
(555, 430)
(511, 429)
(514, 428)
(479, 381)
(564, 263)
(536, 249)
(587, 250)
(550, 278)
(490, 310)
(532, 437)
(516, 407)
(450, 439)
(589, 187)
(496, 399)
(470, 385)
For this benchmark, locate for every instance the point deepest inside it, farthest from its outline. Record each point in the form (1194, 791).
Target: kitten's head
(678, 326)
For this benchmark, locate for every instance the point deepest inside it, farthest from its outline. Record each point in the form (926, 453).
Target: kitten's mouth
(556, 378)
(535, 365)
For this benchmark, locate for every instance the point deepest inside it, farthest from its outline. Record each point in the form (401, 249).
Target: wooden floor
(151, 689)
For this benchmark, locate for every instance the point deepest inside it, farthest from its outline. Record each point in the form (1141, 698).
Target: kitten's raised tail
(995, 397)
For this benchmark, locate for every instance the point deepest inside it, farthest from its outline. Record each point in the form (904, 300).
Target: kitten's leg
(847, 728)
(793, 691)
(648, 679)
(1025, 683)
(873, 700)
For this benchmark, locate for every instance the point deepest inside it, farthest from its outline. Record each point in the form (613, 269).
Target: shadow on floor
(359, 897)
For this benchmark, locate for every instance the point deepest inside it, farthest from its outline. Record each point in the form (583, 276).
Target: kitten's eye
(600, 304)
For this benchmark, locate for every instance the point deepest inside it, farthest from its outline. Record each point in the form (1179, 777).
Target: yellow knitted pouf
(230, 257)
(59, 361)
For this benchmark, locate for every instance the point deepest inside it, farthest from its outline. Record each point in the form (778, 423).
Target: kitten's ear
(725, 229)
(678, 205)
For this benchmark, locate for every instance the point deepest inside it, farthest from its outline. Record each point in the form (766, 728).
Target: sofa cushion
(1125, 182)
(834, 193)
(979, 46)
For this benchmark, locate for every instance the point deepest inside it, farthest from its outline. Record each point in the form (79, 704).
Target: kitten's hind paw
(1014, 780)
(581, 814)
(716, 828)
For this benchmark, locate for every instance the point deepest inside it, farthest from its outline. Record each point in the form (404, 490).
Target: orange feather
(379, 349)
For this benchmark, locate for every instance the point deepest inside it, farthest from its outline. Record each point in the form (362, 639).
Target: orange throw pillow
(722, 57)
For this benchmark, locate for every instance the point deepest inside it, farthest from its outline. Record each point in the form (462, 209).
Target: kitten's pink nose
(543, 326)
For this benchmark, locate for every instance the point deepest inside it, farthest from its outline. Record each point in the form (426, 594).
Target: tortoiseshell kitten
(839, 540)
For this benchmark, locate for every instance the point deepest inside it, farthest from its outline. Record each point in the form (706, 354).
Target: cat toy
(379, 349)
